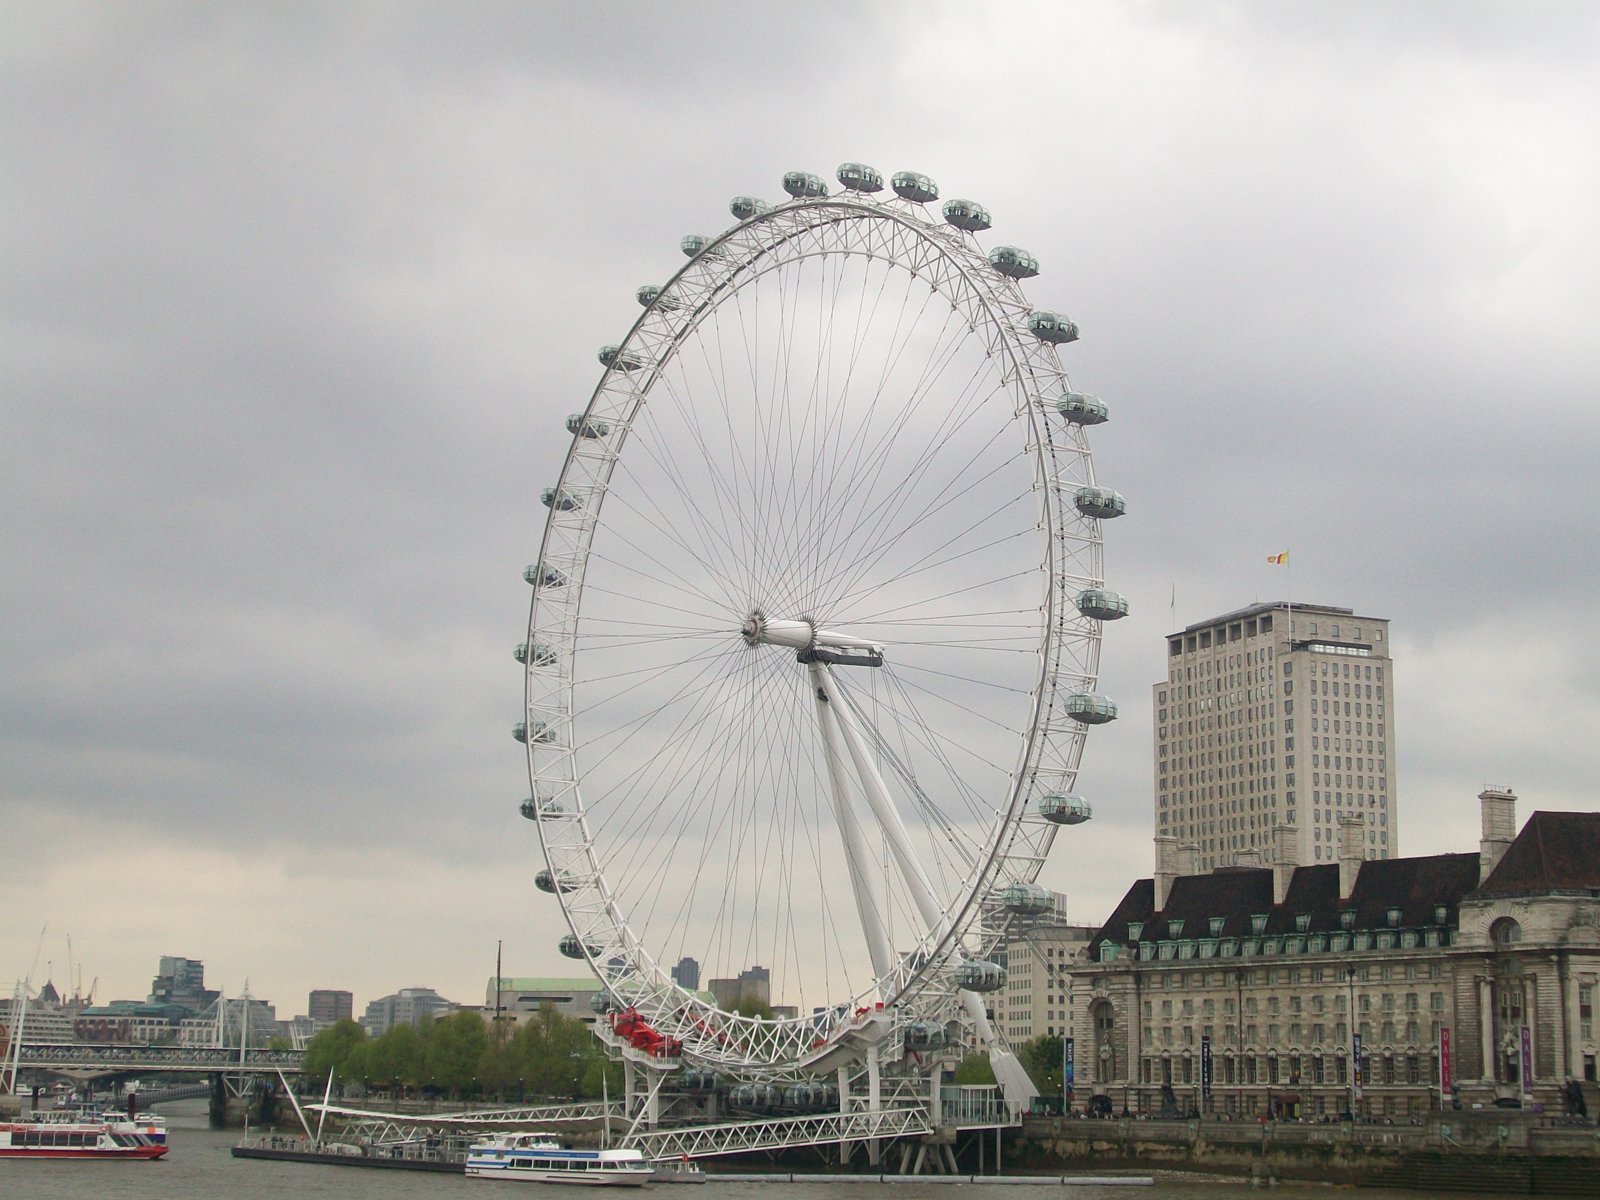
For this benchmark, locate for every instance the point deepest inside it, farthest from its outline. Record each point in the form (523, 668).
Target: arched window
(1505, 933)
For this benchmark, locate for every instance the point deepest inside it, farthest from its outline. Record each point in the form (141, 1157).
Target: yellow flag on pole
(1281, 559)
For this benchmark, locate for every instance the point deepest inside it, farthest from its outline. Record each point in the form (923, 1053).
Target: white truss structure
(912, 983)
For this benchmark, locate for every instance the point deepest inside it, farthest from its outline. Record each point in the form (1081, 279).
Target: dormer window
(1175, 928)
(1441, 914)
(1216, 925)
(1135, 930)
(1347, 919)
(1394, 918)
(1302, 922)
(1258, 924)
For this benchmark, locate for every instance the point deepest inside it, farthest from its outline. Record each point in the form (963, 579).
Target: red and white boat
(66, 1135)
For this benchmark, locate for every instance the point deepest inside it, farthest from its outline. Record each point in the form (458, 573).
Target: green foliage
(974, 1068)
(453, 1048)
(333, 1050)
(1041, 1058)
(751, 1007)
(550, 1056)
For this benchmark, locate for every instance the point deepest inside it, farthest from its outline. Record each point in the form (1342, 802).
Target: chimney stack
(1352, 850)
(1247, 858)
(1166, 868)
(1285, 858)
(1189, 858)
(1498, 808)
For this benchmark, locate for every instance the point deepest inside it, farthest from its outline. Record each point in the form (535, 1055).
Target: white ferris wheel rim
(901, 236)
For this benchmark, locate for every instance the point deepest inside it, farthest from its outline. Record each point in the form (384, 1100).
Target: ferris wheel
(814, 638)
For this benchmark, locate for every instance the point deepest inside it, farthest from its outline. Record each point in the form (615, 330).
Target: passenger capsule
(1102, 604)
(600, 1003)
(612, 356)
(966, 215)
(547, 882)
(975, 975)
(922, 1036)
(649, 294)
(1082, 409)
(1090, 708)
(1027, 900)
(858, 177)
(1099, 502)
(1052, 327)
(540, 575)
(581, 425)
(1013, 263)
(559, 499)
(745, 207)
(918, 189)
(694, 244)
(533, 653)
(1065, 810)
(540, 732)
(700, 1080)
(802, 185)
(571, 947)
(520, 732)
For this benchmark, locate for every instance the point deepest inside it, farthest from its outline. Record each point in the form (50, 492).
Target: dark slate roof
(1555, 852)
(1414, 885)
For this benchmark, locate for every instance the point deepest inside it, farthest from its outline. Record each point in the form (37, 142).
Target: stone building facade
(1243, 990)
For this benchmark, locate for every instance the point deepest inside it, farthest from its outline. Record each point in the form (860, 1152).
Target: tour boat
(59, 1135)
(539, 1158)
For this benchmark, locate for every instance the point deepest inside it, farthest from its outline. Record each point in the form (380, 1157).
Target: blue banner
(1068, 1064)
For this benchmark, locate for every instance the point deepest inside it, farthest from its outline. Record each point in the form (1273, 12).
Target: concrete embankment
(1488, 1150)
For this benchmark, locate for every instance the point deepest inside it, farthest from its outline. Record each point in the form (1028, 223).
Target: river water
(199, 1165)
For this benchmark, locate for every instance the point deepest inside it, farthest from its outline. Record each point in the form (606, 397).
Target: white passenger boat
(539, 1158)
(61, 1135)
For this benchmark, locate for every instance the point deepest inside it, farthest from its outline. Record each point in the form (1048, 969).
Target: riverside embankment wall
(1506, 1148)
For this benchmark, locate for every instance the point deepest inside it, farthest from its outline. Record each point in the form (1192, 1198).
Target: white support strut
(857, 855)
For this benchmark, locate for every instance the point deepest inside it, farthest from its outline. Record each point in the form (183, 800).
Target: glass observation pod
(546, 882)
(1027, 899)
(1083, 409)
(975, 975)
(561, 501)
(859, 177)
(966, 215)
(1091, 708)
(1065, 810)
(924, 1035)
(539, 733)
(571, 947)
(696, 1080)
(529, 809)
(802, 185)
(580, 425)
(1102, 604)
(539, 575)
(1052, 327)
(755, 1095)
(694, 244)
(551, 810)
(600, 1003)
(535, 653)
(1099, 502)
(612, 356)
(650, 293)
(805, 1095)
(745, 207)
(918, 189)
(1013, 263)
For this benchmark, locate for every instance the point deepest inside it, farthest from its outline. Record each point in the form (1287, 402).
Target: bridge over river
(82, 1060)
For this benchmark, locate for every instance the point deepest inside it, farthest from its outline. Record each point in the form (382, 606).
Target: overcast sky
(297, 295)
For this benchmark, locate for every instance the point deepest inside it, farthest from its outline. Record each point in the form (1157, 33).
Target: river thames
(200, 1165)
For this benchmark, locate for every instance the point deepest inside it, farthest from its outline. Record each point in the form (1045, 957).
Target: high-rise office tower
(1276, 715)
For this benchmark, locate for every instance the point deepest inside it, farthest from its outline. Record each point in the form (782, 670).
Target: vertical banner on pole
(1446, 1071)
(1355, 1066)
(1205, 1066)
(1068, 1069)
(1527, 1061)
